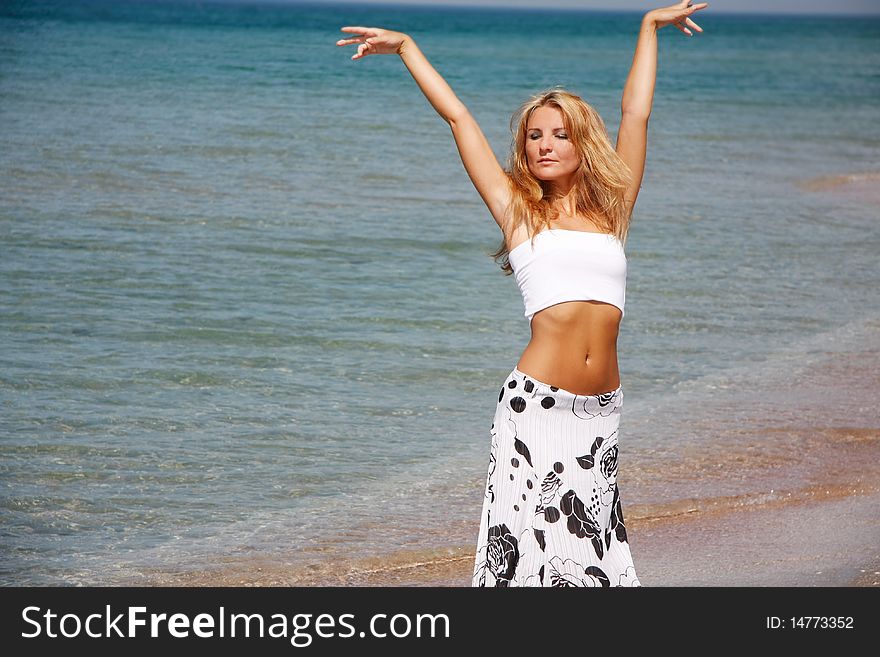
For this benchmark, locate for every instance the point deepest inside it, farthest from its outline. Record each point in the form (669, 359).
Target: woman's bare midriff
(574, 347)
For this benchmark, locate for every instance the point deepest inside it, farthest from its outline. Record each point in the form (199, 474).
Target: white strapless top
(569, 265)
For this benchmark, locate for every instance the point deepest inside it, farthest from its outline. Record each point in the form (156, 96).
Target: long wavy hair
(600, 186)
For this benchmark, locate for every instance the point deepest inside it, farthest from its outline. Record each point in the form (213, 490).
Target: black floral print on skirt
(552, 513)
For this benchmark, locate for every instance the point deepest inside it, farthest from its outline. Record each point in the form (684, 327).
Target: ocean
(247, 307)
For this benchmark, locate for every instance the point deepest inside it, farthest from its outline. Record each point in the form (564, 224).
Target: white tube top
(569, 265)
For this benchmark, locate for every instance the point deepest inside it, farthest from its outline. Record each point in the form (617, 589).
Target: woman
(552, 513)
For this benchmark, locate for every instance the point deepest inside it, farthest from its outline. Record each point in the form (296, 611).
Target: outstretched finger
(693, 25)
(356, 29)
(345, 42)
(684, 29)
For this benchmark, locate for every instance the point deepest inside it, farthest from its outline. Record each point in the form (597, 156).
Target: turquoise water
(246, 303)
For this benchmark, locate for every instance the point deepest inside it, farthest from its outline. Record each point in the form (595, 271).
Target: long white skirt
(552, 514)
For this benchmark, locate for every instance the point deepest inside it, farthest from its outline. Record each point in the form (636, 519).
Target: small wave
(841, 182)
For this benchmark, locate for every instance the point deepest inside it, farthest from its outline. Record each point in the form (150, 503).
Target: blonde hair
(599, 189)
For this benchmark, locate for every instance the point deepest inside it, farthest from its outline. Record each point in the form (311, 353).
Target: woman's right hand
(374, 41)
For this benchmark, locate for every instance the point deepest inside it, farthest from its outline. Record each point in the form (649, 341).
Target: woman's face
(551, 154)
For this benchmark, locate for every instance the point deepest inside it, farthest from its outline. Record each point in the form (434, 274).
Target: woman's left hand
(678, 14)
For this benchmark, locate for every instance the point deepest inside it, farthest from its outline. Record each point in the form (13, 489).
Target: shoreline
(820, 535)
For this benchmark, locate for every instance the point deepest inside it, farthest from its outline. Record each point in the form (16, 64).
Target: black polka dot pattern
(518, 404)
(547, 402)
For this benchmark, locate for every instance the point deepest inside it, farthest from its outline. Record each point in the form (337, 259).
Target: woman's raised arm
(638, 94)
(476, 154)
